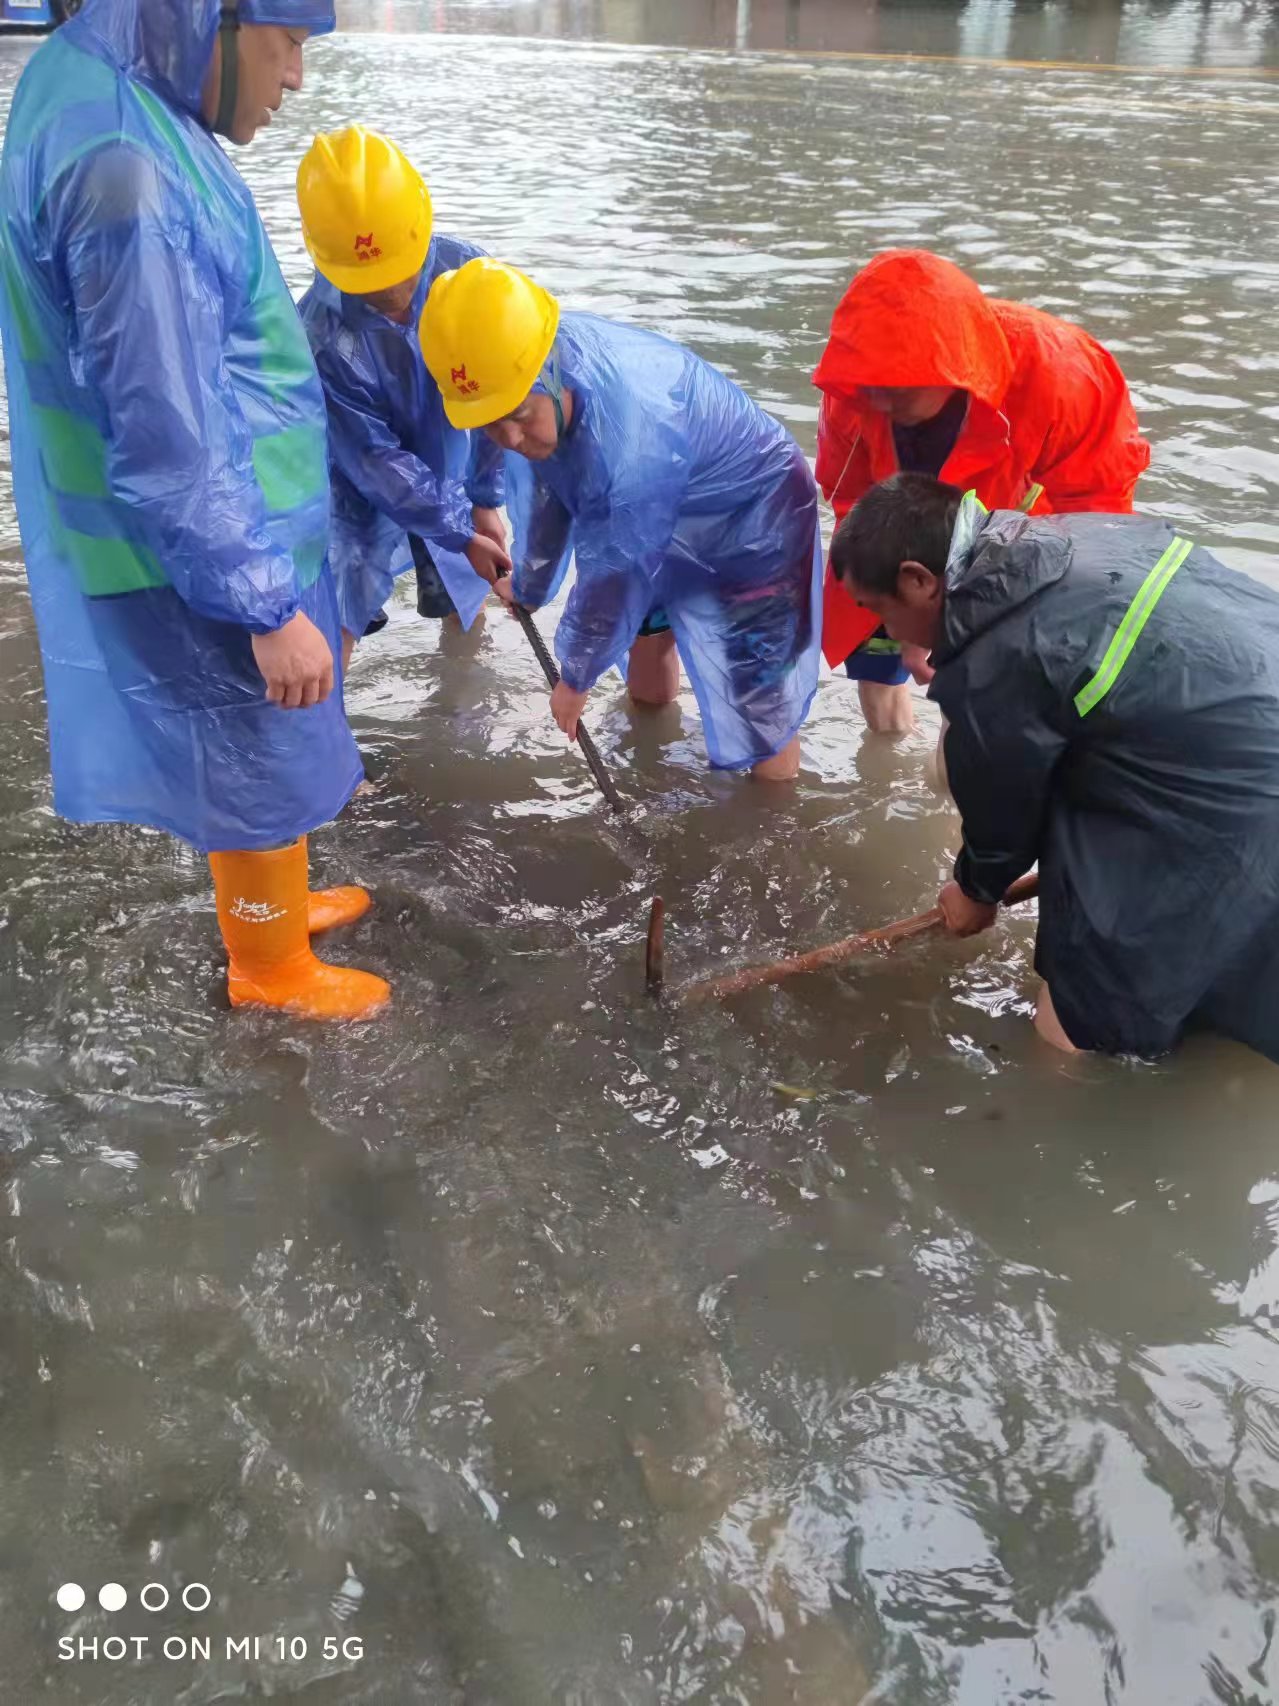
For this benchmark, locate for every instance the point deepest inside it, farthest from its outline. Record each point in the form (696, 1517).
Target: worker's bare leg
(1049, 1025)
(783, 766)
(652, 671)
(935, 764)
(348, 646)
(887, 710)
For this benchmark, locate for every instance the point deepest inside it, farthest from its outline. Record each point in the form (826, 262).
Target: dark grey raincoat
(1113, 698)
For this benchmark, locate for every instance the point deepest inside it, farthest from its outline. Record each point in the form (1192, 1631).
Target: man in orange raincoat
(926, 374)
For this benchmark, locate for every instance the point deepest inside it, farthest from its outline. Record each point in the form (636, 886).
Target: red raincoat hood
(909, 318)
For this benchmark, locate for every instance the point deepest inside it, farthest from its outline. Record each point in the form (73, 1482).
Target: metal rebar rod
(590, 752)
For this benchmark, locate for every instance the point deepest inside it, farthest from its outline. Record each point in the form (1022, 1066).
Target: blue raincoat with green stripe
(1112, 692)
(168, 433)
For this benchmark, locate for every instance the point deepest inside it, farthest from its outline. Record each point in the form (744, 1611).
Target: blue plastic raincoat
(674, 491)
(168, 437)
(396, 464)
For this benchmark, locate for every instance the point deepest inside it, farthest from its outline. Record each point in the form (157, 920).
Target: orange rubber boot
(328, 908)
(263, 911)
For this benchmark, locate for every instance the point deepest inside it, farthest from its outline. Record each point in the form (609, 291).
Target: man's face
(395, 301)
(906, 405)
(529, 430)
(270, 61)
(912, 614)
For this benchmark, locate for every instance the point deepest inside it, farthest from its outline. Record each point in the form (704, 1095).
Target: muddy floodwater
(539, 1346)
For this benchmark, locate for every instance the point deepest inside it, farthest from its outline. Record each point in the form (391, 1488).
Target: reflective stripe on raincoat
(1112, 692)
(168, 436)
(672, 489)
(1048, 406)
(397, 466)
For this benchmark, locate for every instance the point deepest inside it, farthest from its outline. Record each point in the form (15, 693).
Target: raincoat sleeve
(604, 613)
(366, 451)
(543, 535)
(179, 453)
(1092, 453)
(1001, 749)
(619, 549)
(485, 488)
(366, 552)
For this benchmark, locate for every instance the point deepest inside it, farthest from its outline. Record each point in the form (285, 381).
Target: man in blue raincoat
(168, 436)
(684, 505)
(396, 465)
(1112, 692)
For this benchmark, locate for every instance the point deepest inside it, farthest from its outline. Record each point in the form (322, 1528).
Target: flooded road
(539, 1347)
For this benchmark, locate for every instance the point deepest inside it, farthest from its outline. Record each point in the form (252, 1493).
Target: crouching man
(1112, 693)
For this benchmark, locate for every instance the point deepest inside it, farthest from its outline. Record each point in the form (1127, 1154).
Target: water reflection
(611, 1375)
(1186, 33)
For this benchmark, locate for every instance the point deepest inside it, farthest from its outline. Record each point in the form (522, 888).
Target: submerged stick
(836, 953)
(655, 955)
(590, 752)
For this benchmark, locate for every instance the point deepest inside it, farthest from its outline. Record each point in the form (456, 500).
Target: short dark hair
(907, 518)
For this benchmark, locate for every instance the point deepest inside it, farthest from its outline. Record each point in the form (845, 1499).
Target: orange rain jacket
(1048, 406)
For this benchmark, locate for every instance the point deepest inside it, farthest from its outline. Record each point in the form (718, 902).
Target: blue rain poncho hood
(674, 491)
(168, 44)
(168, 439)
(1112, 693)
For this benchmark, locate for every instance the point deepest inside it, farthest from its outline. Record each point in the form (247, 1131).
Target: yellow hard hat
(366, 214)
(485, 333)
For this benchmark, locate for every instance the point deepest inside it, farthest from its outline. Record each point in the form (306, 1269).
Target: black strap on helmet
(229, 89)
(550, 377)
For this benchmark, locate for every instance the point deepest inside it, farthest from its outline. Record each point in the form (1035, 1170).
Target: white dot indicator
(112, 1597)
(70, 1596)
(196, 1588)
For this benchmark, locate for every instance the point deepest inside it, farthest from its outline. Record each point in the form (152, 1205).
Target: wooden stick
(654, 959)
(835, 953)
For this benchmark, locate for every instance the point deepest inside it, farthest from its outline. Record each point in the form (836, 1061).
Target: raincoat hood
(992, 570)
(910, 318)
(168, 44)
